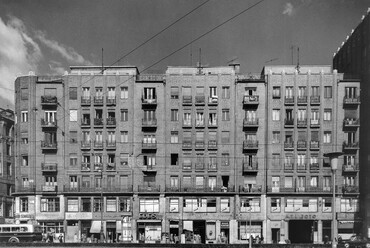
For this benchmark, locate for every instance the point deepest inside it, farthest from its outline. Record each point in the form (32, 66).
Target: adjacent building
(205, 152)
(353, 59)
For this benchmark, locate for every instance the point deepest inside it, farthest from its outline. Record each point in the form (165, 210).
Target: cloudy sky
(47, 36)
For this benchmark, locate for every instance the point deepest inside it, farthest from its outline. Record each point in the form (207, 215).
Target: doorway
(199, 227)
(301, 231)
(275, 233)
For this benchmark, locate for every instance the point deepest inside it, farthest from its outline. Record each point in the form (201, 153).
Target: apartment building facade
(353, 59)
(189, 152)
(6, 165)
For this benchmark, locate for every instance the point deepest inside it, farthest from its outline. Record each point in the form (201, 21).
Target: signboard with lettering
(301, 216)
(149, 216)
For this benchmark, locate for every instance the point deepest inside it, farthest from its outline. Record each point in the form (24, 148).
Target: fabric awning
(95, 226)
(118, 226)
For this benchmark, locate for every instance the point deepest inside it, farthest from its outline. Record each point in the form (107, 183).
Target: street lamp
(333, 156)
(101, 206)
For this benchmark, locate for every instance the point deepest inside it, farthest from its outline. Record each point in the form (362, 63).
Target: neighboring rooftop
(303, 69)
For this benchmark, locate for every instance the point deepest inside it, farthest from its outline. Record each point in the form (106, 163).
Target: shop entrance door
(301, 231)
(111, 232)
(275, 233)
(199, 227)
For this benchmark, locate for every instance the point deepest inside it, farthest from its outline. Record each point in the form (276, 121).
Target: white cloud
(288, 9)
(56, 67)
(66, 52)
(19, 54)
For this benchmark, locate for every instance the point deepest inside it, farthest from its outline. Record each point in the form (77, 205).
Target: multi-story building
(197, 151)
(353, 59)
(6, 165)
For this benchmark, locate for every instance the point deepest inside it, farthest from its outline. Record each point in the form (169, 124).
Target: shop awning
(147, 221)
(119, 226)
(95, 226)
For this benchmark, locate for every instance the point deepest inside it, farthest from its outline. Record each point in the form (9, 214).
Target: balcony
(49, 101)
(250, 145)
(213, 101)
(350, 189)
(314, 167)
(187, 145)
(199, 145)
(25, 189)
(85, 145)
(80, 189)
(256, 189)
(48, 124)
(147, 188)
(98, 144)
(111, 122)
(250, 100)
(315, 123)
(250, 166)
(98, 100)
(186, 166)
(301, 168)
(149, 168)
(199, 166)
(301, 145)
(212, 145)
(302, 123)
(187, 100)
(49, 188)
(111, 166)
(149, 101)
(200, 100)
(186, 124)
(49, 167)
(350, 168)
(289, 123)
(85, 123)
(315, 100)
(199, 124)
(98, 167)
(110, 144)
(149, 145)
(111, 100)
(212, 167)
(288, 167)
(98, 122)
(85, 100)
(351, 100)
(288, 145)
(152, 123)
(351, 145)
(47, 145)
(250, 123)
(302, 100)
(212, 123)
(85, 167)
(289, 100)
(351, 123)
(314, 145)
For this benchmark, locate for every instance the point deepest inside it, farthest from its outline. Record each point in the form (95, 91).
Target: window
(225, 114)
(124, 115)
(211, 205)
(24, 160)
(315, 91)
(199, 119)
(225, 137)
(225, 92)
(73, 182)
(72, 93)
(213, 92)
(73, 137)
(328, 92)
(275, 205)
(50, 204)
(85, 205)
(327, 137)
(23, 204)
(250, 205)
(124, 136)
(111, 204)
(174, 137)
(174, 182)
(351, 92)
(276, 114)
(24, 138)
(124, 92)
(24, 116)
(225, 205)
(225, 159)
(349, 205)
(327, 114)
(24, 94)
(288, 182)
(174, 115)
(124, 159)
(149, 160)
(25, 182)
(98, 204)
(314, 181)
(174, 92)
(289, 92)
(73, 115)
(276, 159)
(85, 92)
(149, 94)
(124, 204)
(72, 205)
(302, 91)
(111, 93)
(174, 205)
(73, 159)
(123, 182)
(150, 205)
(174, 159)
(275, 137)
(276, 92)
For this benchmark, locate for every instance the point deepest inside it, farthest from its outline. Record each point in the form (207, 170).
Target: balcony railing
(110, 144)
(111, 122)
(98, 144)
(212, 145)
(314, 145)
(51, 124)
(212, 124)
(111, 166)
(212, 166)
(149, 123)
(250, 166)
(85, 100)
(49, 100)
(146, 188)
(187, 144)
(250, 189)
(250, 144)
(289, 123)
(199, 166)
(351, 100)
(251, 100)
(98, 100)
(200, 100)
(26, 189)
(149, 168)
(111, 100)
(302, 123)
(98, 122)
(199, 124)
(46, 145)
(186, 124)
(350, 189)
(315, 100)
(314, 167)
(314, 123)
(348, 123)
(301, 145)
(213, 100)
(288, 166)
(201, 189)
(187, 100)
(250, 122)
(199, 144)
(85, 166)
(187, 166)
(351, 145)
(149, 145)
(289, 145)
(149, 101)
(98, 166)
(350, 168)
(301, 168)
(49, 167)
(85, 144)
(49, 188)
(85, 122)
(81, 189)
(302, 100)
(289, 100)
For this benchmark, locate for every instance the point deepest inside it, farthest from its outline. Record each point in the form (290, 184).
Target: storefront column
(134, 231)
(319, 232)
(233, 232)
(268, 237)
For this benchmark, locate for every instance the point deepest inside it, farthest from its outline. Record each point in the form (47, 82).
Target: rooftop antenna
(191, 54)
(292, 52)
(298, 67)
(102, 60)
(200, 61)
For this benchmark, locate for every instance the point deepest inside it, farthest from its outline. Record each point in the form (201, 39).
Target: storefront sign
(301, 216)
(148, 216)
(24, 216)
(224, 224)
(78, 216)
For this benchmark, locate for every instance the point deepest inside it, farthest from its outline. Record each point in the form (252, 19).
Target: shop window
(149, 205)
(174, 205)
(85, 204)
(111, 204)
(225, 205)
(72, 205)
(124, 204)
(50, 204)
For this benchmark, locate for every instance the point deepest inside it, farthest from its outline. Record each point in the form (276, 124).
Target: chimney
(236, 67)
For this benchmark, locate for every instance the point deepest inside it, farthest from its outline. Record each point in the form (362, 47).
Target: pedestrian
(60, 238)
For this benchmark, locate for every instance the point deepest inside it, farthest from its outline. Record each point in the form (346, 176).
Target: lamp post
(333, 156)
(101, 206)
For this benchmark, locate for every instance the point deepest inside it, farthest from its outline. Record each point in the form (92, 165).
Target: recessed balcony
(314, 145)
(301, 168)
(187, 145)
(289, 100)
(187, 100)
(110, 144)
(351, 145)
(212, 145)
(301, 145)
(251, 100)
(288, 145)
(314, 167)
(98, 100)
(250, 145)
(98, 167)
(302, 100)
(315, 123)
(250, 123)
(200, 100)
(85, 123)
(98, 122)
(350, 168)
(351, 123)
(111, 122)
(289, 123)
(111, 100)
(49, 167)
(48, 123)
(49, 101)
(288, 167)
(213, 101)
(199, 124)
(85, 100)
(85, 145)
(111, 166)
(351, 100)
(85, 166)
(302, 123)
(315, 100)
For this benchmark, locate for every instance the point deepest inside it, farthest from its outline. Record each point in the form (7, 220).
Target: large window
(225, 114)
(225, 92)
(23, 204)
(124, 115)
(349, 205)
(150, 205)
(276, 114)
(72, 205)
(174, 205)
(199, 205)
(98, 204)
(174, 115)
(275, 206)
(174, 92)
(327, 114)
(250, 205)
(276, 92)
(50, 204)
(300, 205)
(225, 205)
(111, 204)
(24, 116)
(124, 92)
(124, 204)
